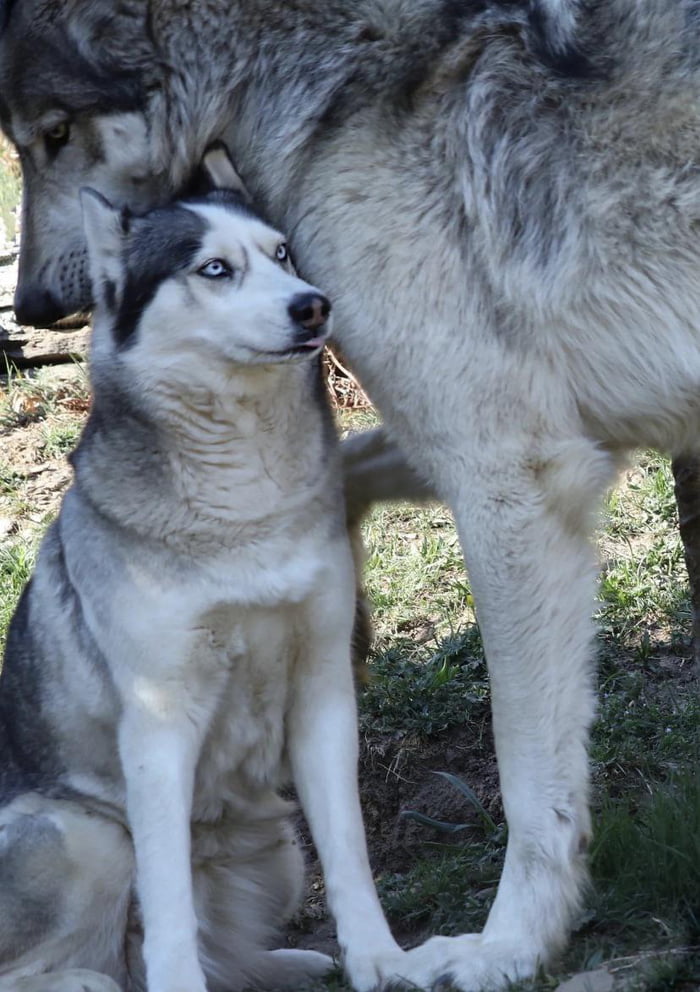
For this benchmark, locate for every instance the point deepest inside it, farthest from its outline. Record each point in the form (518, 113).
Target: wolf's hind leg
(65, 888)
(375, 470)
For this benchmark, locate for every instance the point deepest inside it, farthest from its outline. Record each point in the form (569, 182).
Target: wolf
(184, 643)
(502, 198)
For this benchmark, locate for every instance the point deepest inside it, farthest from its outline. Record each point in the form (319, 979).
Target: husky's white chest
(210, 647)
(245, 663)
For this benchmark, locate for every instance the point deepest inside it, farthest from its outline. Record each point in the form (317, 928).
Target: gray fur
(201, 534)
(503, 199)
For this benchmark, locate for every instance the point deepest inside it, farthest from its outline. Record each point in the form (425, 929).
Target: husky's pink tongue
(314, 342)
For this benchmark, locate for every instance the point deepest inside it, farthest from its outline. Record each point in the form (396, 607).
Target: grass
(426, 690)
(643, 589)
(10, 188)
(448, 893)
(651, 844)
(16, 563)
(38, 394)
(410, 550)
(41, 414)
(60, 437)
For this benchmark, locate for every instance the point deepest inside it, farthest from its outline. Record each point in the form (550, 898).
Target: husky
(502, 197)
(184, 643)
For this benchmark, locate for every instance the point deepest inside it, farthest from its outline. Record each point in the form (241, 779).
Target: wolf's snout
(309, 310)
(36, 307)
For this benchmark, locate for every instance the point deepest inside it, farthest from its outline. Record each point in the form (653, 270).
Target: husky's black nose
(309, 310)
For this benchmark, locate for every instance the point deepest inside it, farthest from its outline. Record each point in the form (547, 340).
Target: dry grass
(10, 191)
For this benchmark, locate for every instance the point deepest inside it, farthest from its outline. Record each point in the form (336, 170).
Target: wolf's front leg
(524, 521)
(159, 747)
(323, 749)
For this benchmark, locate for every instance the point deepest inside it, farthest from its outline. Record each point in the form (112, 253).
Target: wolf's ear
(218, 170)
(105, 229)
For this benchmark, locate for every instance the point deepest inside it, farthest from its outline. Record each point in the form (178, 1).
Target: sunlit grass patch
(17, 559)
(10, 188)
(644, 584)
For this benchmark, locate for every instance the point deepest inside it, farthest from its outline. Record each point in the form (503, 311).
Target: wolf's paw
(366, 970)
(469, 963)
(70, 980)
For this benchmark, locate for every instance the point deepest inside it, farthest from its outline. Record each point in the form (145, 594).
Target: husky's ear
(219, 172)
(104, 228)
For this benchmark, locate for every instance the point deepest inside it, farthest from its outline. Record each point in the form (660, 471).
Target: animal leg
(66, 878)
(524, 525)
(376, 470)
(288, 967)
(686, 470)
(70, 980)
(323, 749)
(159, 746)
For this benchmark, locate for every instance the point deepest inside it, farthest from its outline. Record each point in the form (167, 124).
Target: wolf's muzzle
(36, 308)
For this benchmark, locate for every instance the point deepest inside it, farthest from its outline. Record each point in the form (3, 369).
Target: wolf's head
(197, 288)
(74, 83)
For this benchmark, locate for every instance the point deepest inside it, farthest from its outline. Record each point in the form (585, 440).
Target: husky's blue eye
(282, 253)
(215, 268)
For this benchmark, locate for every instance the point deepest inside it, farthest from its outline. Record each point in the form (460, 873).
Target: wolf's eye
(215, 268)
(282, 253)
(57, 136)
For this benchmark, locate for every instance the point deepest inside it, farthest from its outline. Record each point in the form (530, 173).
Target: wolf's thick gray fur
(503, 199)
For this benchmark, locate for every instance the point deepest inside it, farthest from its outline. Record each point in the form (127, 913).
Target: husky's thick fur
(185, 637)
(503, 199)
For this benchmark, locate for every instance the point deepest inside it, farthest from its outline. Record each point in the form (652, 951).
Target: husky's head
(198, 287)
(74, 83)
